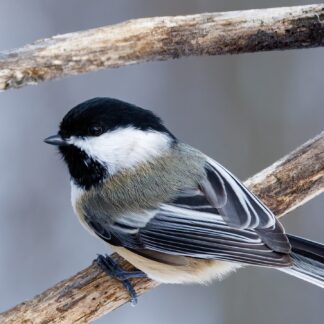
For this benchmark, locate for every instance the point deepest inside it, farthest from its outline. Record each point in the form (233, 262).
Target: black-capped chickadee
(171, 211)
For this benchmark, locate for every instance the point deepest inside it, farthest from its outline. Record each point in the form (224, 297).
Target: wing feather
(243, 209)
(178, 231)
(219, 219)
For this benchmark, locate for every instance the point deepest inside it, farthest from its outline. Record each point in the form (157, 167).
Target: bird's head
(102, 136)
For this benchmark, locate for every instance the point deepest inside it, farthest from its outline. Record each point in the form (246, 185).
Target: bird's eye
(95, 130)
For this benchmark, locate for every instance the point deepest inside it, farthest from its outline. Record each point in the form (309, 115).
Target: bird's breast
(131, 197)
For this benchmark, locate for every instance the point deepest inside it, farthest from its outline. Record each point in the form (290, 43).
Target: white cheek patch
(124, 147)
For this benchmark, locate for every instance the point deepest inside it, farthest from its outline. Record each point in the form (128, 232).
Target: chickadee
(171, 211)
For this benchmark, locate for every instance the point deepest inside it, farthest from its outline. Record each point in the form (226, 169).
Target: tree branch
(89, 294)
(163, 38)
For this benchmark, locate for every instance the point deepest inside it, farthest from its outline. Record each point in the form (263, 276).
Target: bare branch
(90, 294)
(163, 38)
(293, 180)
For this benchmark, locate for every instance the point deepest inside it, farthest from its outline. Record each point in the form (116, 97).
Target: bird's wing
(180, 231)
(239, 207)
(219, 219)
(220, 192)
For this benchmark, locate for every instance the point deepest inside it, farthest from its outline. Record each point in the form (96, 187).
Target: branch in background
(90, 294)
(163, 38)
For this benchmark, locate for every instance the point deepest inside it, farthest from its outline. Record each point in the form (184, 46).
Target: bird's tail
(308, 260)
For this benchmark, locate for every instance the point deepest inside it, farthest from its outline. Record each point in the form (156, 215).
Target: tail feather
(308, 260)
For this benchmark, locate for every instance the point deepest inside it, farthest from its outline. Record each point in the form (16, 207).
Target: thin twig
(90, 294)
(163, 38)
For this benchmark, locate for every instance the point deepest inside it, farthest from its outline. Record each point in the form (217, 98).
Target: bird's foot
(111, 268)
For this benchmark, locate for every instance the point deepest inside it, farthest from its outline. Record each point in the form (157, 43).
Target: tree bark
(89, 294)
(163, 38)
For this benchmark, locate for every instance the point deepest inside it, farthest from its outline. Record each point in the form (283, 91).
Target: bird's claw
(111, 268)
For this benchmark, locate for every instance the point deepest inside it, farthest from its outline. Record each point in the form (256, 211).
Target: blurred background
(245, 111)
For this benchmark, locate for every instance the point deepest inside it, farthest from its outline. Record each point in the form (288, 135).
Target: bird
(174, 213)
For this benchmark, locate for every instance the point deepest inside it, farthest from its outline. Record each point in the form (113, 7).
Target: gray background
(245, 111)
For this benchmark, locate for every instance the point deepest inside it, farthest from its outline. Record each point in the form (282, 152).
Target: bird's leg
(111, 268)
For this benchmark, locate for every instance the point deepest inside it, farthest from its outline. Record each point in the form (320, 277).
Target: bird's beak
(56, 140)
